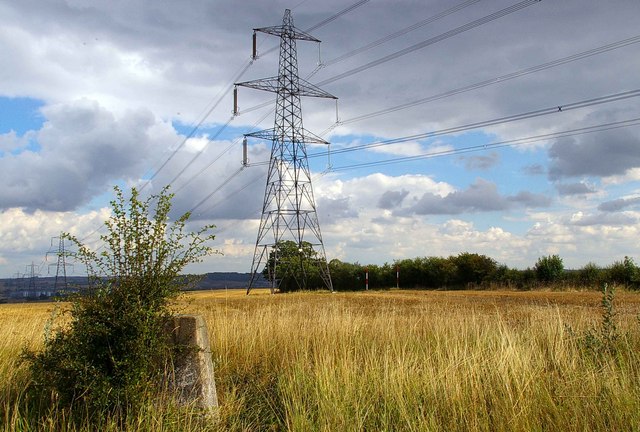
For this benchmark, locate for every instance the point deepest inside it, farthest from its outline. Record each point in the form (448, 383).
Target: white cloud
(84, 149)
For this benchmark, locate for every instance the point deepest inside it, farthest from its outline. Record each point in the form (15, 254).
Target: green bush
(294, 267)
(346, 276)
(549, 269)
(625, 273)
(112, 354)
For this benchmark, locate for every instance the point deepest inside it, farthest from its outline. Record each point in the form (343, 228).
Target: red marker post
(366, 278)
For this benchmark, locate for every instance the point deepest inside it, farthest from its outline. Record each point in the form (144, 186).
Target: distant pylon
(289, 210)
(32, 275)
(60, 284)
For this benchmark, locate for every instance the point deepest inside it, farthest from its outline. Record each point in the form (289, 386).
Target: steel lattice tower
(60, 284)
(289, 210)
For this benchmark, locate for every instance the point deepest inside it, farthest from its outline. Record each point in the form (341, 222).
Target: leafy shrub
(624, 272)
(474, 268)
(294, 267)
(112, 354)
(590, 275)
(549, 269)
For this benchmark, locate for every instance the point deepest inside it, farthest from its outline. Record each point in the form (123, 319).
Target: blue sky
(20, 115)
(93, 96)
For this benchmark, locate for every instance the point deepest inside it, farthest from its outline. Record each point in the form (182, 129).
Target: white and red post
(366, 278)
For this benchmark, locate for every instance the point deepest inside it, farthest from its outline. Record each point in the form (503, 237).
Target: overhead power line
(507, 143)
(219, 156)
(199, 124)
(401, 32)
(496, 80)
(224, 92)
(197, 155)
(431, 41)
(493, 122)
(326, 21)
(223, 184)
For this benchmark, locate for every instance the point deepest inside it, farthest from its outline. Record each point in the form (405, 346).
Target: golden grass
(399, 360)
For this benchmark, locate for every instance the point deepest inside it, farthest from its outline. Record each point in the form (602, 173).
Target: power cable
(197, 126)
(224, 183)
(501, 120)
(236, 191)
(226, 91)
(493, 122)
(506, 143)
(193, 159)
(431, 41)
(235, 142)
(326, 21)
(336, 16)
(496, 80)
(401, 32)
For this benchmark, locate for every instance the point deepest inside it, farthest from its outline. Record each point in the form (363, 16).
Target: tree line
(472, 271)
(463, 271)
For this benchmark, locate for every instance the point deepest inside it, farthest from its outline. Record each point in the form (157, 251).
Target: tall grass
(393, 361)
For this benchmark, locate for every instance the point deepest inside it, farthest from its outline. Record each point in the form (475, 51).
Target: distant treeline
(473, 271)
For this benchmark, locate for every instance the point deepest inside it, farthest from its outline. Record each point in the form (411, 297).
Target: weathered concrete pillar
(193, 378)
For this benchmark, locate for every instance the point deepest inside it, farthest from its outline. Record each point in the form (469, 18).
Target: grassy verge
(398, 360)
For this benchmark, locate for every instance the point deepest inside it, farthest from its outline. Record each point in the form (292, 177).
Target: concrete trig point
(193, 378)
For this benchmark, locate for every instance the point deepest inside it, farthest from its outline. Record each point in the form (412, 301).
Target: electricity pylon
(32, 275)
(289, 210)
(60, 284)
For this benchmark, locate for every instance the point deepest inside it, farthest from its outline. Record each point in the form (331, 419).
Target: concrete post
(193, 375)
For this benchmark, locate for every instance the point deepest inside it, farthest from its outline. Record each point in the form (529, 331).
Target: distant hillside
(229, 280)
(42, 288)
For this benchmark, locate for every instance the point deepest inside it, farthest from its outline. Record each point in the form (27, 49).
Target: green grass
(398, 360)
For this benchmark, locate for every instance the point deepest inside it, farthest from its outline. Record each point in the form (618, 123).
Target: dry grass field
(389, 360)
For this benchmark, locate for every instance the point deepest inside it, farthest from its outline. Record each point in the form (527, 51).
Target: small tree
(474, 268)
(624, 272)
(549, 269)
(113, 352)
(293, 266)
(590, 275)
(346, 276)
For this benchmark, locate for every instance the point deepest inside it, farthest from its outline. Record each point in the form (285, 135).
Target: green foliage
(624, 272)
(474, 268)
(112, 354)
(427, 272)
(346, 276)
(437, 272)
(602, 339)
(294, 267)
(549, 269)
(590, 275)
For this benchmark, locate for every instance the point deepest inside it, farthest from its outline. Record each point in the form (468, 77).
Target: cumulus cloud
(580, 188)
(619, 204)
(481, 196)
(603, 218)
(483, 162)
(11, 142)
(392, 199)
(594, 155)
(337, 208)
(84, 149)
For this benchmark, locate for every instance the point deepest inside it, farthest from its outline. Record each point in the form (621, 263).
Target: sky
(514, 125)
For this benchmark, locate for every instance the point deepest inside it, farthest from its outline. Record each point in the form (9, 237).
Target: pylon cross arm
(273, 85)
(271, 135)
(289, 32)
